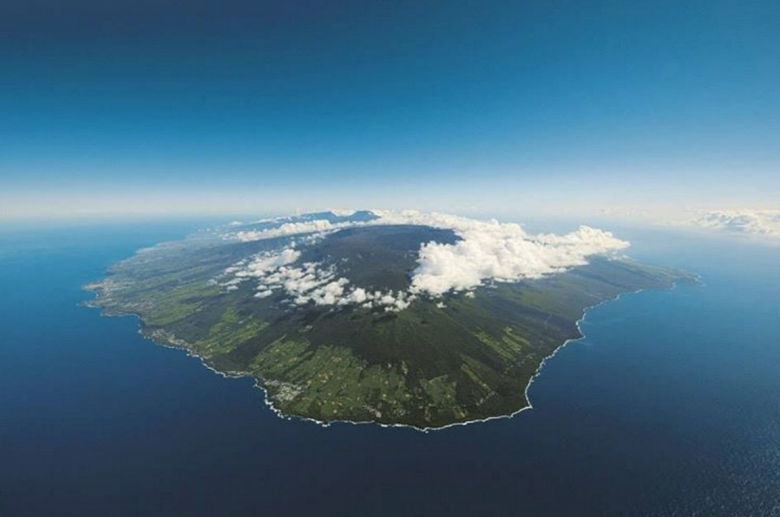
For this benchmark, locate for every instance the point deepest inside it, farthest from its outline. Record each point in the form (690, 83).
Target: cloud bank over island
(486, 252)
(756, 223)
(496, 252)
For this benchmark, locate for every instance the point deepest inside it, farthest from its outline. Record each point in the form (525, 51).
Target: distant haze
(616, 109)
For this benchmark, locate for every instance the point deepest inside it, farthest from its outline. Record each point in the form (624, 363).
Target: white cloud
(488, 251)
(492, 251)
(342, 212)
(761, 223)
(268, 262)
(287, 229)
(309, 283)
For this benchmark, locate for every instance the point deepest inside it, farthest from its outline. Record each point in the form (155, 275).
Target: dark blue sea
(669, 407)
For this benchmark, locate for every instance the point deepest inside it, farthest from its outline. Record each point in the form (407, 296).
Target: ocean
(670, 406)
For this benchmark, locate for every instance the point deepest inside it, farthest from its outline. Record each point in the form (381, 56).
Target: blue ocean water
(669, 407)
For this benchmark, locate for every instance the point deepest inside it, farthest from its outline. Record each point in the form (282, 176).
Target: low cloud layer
(287, 229)
(310, 283)
(505, 253)
(759, 223)
(488, 251)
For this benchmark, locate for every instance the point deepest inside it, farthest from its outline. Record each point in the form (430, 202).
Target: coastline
(270, 404)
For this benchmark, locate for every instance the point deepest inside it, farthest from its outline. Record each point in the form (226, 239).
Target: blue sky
(195, 107)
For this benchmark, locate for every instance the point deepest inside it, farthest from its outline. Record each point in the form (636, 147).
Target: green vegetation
(426, 366)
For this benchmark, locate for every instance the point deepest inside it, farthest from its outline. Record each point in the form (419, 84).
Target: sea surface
(670, 406)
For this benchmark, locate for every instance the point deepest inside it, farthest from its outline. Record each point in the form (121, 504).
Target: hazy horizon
(502, 107)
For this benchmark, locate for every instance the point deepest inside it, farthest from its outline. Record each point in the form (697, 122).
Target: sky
(503, 107)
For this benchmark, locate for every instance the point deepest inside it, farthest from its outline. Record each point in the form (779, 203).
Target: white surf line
(268, 402)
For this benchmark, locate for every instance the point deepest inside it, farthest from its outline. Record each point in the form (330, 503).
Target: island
(328, 313)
